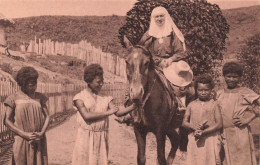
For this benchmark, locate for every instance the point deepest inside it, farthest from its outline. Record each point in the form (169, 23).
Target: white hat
(179, 73)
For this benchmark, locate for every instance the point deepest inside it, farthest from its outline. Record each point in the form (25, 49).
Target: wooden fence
(59, 98)
(83, 50)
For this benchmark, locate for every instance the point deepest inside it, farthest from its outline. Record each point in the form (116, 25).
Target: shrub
(202, 24)
(6, 68)
(249, 55)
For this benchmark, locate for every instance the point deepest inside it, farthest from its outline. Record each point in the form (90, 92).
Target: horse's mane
(147, 53)
(145, 50)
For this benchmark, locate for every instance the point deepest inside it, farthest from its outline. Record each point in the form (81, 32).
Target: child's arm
(185, 122)
(92, 116)
(122, 110)
(46, 122)
(256, 109)
(9, 123)
(240, 121)
(218, 124)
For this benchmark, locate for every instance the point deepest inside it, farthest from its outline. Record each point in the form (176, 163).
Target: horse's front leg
(141, 143)
(160, 138)
(174, 139)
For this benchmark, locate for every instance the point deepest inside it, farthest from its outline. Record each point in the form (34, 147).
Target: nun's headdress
(167, 28)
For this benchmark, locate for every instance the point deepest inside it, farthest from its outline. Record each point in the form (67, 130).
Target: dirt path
(122, 144)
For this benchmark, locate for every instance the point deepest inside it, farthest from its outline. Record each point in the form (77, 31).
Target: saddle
(173, 99)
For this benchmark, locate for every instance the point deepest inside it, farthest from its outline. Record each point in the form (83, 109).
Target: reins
(141, 114)
(148, 94)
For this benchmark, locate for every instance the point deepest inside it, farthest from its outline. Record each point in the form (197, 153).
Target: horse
(159, 117)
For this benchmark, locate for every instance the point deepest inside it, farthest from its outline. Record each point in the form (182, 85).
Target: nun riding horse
(157, 107)
(161, 46)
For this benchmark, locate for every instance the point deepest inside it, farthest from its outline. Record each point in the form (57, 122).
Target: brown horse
(158, 114)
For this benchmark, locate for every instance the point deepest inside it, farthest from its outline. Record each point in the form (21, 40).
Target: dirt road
(122, 144)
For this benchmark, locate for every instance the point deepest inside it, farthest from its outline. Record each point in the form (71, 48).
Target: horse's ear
(127, 43)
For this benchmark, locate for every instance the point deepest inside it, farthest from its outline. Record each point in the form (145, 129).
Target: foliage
(250, 57)
(203, 25)
(99, 31)
(102, 31)
(6, 68)
(59, 64)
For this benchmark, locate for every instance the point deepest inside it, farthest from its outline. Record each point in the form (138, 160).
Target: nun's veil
(167, 28)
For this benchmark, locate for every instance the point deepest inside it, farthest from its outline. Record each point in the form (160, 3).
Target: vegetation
(6, 68)
(244, 23)
(203, 25)
(99, 31)
(250, 57)
(103, 32)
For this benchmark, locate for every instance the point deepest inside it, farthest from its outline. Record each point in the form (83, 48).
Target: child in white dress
(91, 146)
(203, 118)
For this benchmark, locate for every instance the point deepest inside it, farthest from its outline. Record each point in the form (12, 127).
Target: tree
(249, 56)
(202, 24)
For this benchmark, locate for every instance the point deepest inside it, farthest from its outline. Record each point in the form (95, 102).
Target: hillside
(56, 69)
(103, 31)
(99, 31)
(244, 23)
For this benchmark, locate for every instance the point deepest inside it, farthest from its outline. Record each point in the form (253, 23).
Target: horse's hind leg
(160, 139)
(174, 139)
(141, 143)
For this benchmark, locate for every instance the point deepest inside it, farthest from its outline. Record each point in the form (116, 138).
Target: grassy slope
(103, 31)
(244, 23)
(100, 31)
(52, 68)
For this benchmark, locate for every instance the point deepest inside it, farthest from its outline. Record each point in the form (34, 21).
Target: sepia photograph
(129, 82)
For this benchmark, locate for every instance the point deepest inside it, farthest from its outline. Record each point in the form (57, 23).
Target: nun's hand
(157, 61)
(165, 63)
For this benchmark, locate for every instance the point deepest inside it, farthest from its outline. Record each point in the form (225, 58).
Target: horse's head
(138, 65)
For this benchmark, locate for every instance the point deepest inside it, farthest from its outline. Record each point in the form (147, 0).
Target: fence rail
(59, 98)
(83, 50)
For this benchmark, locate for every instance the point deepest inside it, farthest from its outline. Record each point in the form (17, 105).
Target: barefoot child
(91, 147)
(234, 102)
(203, 118)
(27, 116)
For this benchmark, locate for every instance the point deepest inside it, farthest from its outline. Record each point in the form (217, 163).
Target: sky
(27, 8)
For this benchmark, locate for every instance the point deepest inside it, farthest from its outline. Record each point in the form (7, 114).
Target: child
(91, 146)
(234, 101)
(27, 116)
(203, 118)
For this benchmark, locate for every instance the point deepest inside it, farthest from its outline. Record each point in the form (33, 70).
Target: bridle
(147, 53)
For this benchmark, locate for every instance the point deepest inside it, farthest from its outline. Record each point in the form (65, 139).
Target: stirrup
(137, 119)
(7, 52)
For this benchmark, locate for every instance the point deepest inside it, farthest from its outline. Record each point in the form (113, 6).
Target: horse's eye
(147, 64)
(129, 68)
(144, 68)
(127, 64)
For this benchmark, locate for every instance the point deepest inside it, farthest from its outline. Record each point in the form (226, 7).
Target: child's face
(204, 91)
(31, 86)
(97, 84)
(232, 80)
